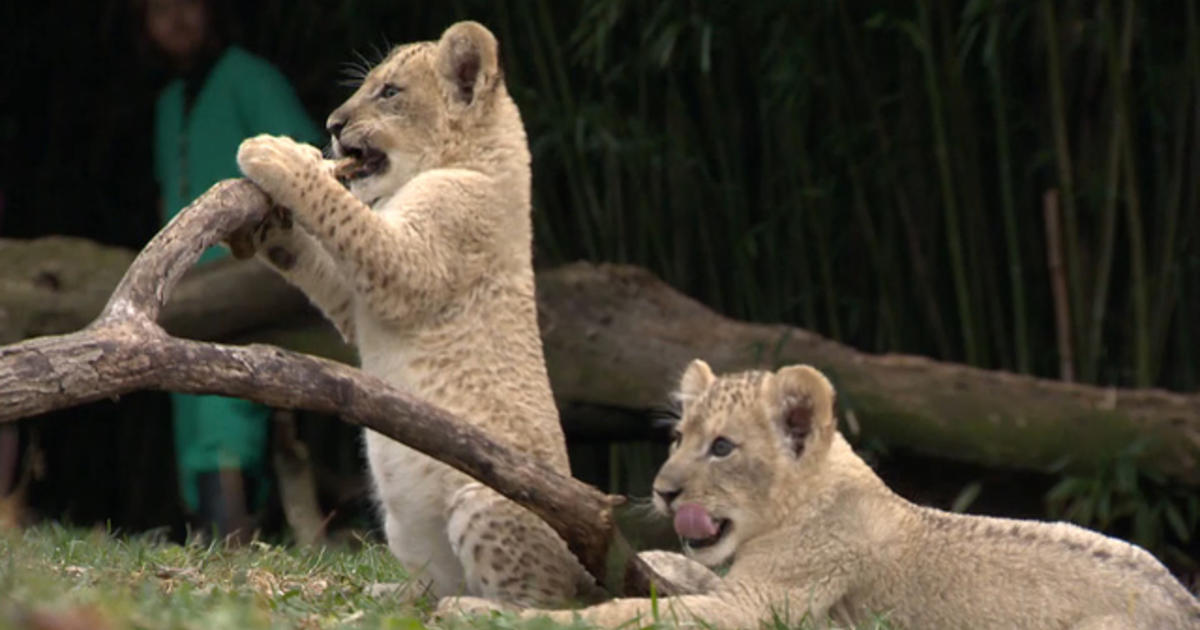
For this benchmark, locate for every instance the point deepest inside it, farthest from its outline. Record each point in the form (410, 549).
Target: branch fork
(125, 349)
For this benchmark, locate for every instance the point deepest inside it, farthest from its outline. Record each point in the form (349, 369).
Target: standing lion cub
(425, 265)
(758, 474)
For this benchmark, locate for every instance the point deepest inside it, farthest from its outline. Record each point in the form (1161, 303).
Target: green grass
(67, 579)
(138, 582)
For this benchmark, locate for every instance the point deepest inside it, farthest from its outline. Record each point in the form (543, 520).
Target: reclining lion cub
(759, 474)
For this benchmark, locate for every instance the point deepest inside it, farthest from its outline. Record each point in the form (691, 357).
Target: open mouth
(723, 526)
(359, 163)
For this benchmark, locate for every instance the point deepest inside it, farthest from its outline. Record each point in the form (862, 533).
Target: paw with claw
(466, 605)
(268, 236)
(283, 168)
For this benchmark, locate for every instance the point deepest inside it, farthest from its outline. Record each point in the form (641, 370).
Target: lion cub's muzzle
(357, 162)
(697, 528)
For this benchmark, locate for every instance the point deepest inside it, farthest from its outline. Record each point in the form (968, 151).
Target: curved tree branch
(125, 350)
(143, 291)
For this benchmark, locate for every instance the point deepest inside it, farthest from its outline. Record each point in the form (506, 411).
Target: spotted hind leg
(509, 554)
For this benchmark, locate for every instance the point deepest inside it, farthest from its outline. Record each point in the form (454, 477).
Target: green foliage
(876, 172)
(56, 577)
(140, 582)
(1156, 514)
(966, 497)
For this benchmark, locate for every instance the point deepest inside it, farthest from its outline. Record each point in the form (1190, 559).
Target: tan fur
(426, 267)
(815, 533)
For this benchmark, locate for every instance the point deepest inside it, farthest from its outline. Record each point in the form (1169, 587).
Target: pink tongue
(693, 522)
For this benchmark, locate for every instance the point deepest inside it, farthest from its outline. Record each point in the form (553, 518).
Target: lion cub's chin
(716, 553)
(373, 175)
(378, 186)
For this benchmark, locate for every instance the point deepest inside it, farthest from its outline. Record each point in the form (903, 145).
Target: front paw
(467, 605)
(280, 166)
(268, 236)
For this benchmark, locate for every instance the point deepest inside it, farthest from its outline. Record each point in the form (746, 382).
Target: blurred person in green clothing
(219, 94)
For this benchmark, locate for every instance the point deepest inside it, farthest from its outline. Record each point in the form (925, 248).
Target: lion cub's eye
(721, 447)
(676, 436)
(389, 90)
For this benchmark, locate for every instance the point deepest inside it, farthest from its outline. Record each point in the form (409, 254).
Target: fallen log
(57, 284)
(616, 336)
(126, 350)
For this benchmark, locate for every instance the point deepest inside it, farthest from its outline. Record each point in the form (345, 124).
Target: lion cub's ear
(801, 400)
(467, 58)
(696, 378)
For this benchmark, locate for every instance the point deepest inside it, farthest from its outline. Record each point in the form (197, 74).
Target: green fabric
(214, 432)
(242, 96)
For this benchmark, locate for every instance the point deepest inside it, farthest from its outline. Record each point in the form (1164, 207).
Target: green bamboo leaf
(913, 32)
(878, 20)
(1142, 524)
(1104, 509)
(1177, 523)
(1068, 487)
(1126, 475)
(966, 497)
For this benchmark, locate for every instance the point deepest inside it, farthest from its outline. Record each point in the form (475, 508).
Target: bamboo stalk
(1170, 234)
(1004, 166)
(949, 201)
(732, 208)
(795, 232)
(862, 216)
(556, 79)
(1058, 285)
(1062, 151)
(821, 240)
(973, 212)
(1137, 268)
(1133, 216)
(898, 187)
(579, 200)
(1118, 69)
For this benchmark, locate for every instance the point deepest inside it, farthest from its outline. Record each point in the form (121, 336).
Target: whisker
(355, 69)
(642, 507)
(664, 417)
(381, 53)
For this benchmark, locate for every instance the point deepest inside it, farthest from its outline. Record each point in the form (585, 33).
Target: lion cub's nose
(336, 123)
(668, 495)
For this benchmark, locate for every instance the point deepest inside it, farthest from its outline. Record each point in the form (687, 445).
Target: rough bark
(617, 336)
(125, 350)
(58, 284)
